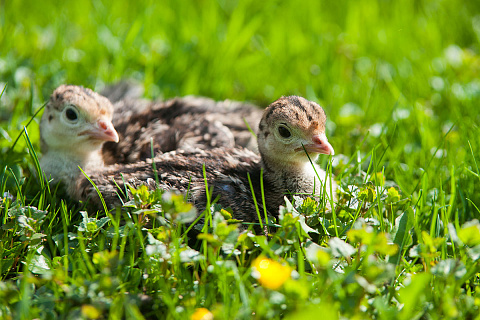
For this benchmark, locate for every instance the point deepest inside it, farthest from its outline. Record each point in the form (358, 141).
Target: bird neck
(293, 177)
(61, 165)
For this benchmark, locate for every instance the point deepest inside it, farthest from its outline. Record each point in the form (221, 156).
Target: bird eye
(284, 131)
(71, 114)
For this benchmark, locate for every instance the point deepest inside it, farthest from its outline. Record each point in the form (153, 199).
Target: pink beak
(320, 144)
(103, 130)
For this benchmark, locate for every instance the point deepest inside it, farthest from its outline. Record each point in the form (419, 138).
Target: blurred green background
(400, 73)
(399, 81)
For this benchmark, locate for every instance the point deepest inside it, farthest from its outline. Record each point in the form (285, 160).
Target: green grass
(399, 83)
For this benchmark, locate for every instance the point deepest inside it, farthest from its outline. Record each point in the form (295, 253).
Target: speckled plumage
(289, 127)
(184, 123)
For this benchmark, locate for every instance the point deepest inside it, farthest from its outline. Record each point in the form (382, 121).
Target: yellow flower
(270, 273)
(90, 312)
(202, 314)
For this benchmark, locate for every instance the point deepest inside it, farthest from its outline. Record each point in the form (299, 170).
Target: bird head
(291, 128)
(76, 120)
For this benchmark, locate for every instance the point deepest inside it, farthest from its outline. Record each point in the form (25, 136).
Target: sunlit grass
(399, 83)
